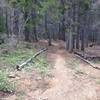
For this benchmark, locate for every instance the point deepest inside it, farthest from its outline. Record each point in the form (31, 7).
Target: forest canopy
(67, 20)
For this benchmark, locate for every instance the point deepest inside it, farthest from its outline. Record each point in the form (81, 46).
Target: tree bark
(46, 30)
(34, 32)
(26, 30)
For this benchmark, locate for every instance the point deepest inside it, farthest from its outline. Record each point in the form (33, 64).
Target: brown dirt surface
(72, 78)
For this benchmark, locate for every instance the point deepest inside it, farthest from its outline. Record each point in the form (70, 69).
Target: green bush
(5, 84)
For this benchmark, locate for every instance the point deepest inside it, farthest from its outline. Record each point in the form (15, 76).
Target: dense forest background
(74, 21)
(35, 36)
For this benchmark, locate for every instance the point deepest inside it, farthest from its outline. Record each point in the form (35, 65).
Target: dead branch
(88, 62)
(19, 67)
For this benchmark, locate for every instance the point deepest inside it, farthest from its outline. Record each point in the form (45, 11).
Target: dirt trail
(61, 81)
(67, 84)
(73, 79)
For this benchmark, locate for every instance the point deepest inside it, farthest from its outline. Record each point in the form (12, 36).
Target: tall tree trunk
(7, 30)
(15, 22)
(46, 30)
(78, 27)
(78, 40)
(82, 42)
(70, 42)
(63, 27)
(26, 30)
(59, 33)
(34, 32)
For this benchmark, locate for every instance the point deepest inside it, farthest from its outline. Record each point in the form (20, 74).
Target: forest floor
(70, 79)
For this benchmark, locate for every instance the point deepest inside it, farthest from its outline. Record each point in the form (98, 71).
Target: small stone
(39, 78)
(46, 98)
(12, 76)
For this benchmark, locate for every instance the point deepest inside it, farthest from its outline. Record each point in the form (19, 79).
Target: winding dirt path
(69, 84)
(73, 79)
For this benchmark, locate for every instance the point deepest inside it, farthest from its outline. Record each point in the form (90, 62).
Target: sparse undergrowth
(21, 53)
(96, 61)
(5, 84)
(40, 64)
(10, 59)
(74, 64)
(20, 95)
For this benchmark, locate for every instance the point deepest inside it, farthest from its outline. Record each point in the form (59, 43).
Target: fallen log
(88, 62)
(20, 66)
(88, 56)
